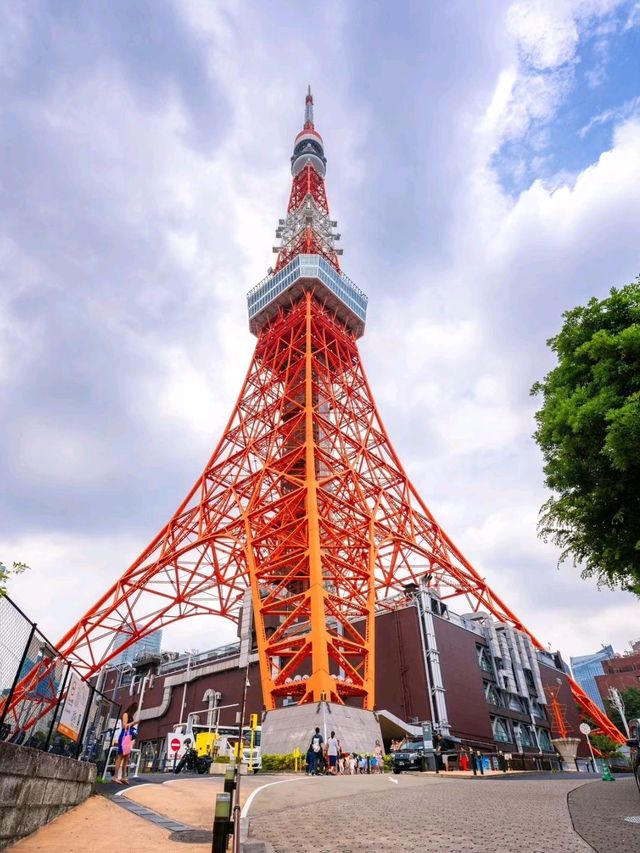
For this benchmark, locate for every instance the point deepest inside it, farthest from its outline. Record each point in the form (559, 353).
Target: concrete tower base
(284, 729)
(568, 749)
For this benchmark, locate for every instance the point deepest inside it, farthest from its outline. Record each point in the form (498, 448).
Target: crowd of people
(331, 759)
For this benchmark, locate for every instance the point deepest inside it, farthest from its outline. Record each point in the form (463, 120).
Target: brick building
(621, 671)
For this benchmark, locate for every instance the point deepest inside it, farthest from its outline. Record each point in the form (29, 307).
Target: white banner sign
(74, 707)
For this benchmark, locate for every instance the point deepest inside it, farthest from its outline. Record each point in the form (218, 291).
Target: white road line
(247, 805)
(128, 789)
(395, 781)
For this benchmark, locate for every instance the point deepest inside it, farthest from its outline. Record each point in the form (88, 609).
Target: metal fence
(44, 702)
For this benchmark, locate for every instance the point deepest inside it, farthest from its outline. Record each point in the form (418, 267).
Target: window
(484, 658)
(524, 735)
(492, 694)
(516, 703)
(538, 710)
(545, 740)
(500, 729)
(126, 677)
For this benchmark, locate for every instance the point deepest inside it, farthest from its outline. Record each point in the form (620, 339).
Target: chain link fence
(44, 702)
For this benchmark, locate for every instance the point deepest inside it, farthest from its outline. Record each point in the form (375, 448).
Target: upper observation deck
(308, 272)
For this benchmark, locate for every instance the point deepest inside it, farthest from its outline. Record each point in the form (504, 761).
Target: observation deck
(308, 272)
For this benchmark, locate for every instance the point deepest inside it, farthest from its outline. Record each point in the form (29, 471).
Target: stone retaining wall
(36, 787)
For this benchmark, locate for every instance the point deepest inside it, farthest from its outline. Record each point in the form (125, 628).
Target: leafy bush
(222, 759)
(276, 763)
(606, 746)
(387, 763)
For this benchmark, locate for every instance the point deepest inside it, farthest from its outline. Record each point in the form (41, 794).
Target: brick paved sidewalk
(418, 814)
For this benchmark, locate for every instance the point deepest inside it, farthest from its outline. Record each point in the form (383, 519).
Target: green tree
(6, 573)
(606, 746)
(589, 434)
(631, 699)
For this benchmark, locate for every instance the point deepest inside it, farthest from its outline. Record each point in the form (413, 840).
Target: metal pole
(236, 805)
(9, 697)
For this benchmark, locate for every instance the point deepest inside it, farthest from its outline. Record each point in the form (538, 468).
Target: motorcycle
(192, 761)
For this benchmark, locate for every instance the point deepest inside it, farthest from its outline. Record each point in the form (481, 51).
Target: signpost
(74, 707)
(585, 729)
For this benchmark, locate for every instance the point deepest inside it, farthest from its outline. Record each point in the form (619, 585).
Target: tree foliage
(5, 574)
(631, 699)
(589, 434)
(606, 746)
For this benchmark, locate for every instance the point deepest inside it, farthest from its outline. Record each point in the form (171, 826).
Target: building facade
(473, 678)
(149, 645)
(621, 672)
(585, 670)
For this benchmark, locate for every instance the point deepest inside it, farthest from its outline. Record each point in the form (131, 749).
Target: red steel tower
(304, 500)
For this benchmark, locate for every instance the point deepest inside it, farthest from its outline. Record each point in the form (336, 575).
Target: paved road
(598, 812)
(419, 813)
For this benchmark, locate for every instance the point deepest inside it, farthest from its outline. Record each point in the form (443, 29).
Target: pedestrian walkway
(101, 824)
(416, 812)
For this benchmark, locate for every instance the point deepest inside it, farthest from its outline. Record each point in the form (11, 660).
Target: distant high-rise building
(146, 646)
(586, 667)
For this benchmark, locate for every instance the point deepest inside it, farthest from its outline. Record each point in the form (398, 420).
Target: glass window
(515, 703)
(484, 658)
(500, 729)
(545, 740)
(492, 694)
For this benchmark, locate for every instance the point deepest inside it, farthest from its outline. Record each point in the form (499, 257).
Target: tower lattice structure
(304, 501)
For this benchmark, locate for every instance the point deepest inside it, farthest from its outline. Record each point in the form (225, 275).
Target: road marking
(247, 805)
(128, 789)
(395, 781)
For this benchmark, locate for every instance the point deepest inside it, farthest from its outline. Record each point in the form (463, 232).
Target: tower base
(568, 749)
(285, 729)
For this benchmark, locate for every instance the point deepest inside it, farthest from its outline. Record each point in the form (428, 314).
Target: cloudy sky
(484, 166)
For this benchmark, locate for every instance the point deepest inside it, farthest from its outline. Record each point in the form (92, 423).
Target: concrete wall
(37, 786)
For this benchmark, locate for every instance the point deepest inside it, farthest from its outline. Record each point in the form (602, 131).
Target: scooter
(192, 761)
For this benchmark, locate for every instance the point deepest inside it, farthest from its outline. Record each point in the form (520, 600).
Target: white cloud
(546, 33)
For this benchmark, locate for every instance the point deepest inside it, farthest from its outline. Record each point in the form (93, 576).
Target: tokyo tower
(304, 501)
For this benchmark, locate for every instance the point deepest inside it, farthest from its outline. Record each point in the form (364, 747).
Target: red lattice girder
(304, 500)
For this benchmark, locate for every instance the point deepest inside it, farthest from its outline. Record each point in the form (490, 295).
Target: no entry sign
(176, 743)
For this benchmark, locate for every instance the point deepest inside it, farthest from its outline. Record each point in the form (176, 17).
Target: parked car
(410, 757)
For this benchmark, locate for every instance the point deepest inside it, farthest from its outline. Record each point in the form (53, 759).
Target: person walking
(315, 748)
(378, 756)
(464, 760)
(332, 753)
(125, 745)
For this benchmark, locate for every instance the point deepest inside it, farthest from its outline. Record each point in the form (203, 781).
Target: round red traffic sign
(176, 743)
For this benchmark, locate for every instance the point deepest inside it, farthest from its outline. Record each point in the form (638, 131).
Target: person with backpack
(315, 751)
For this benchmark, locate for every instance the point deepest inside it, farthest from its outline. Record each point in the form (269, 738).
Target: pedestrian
(332, 753)
(352, 764)
(315, 751)
(126, 738)
(378, 756)
(464, 760)
(341, 759)
(362, 764)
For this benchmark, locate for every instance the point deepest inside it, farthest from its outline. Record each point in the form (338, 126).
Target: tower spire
(308, 110)
(308, 228)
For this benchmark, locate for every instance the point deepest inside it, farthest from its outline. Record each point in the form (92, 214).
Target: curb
(256, 847)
